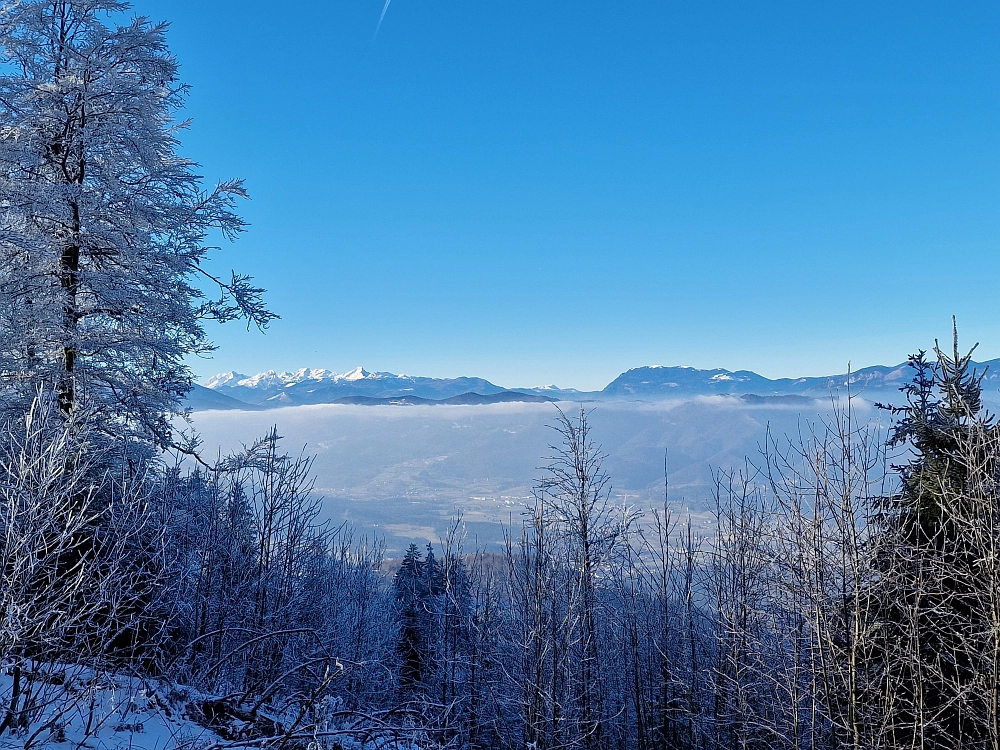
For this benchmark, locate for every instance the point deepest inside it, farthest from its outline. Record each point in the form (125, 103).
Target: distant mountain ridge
(658, 382)
(309, 386)
(271, 389)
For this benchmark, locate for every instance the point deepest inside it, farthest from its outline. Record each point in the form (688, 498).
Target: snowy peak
(304, 374)
(285, 379)
(268, 379)
(223, 379)
(358, 373)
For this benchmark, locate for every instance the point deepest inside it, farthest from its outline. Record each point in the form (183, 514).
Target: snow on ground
(70, 708)
(77, 710)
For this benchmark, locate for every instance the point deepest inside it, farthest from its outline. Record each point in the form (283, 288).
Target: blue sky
(539, 192)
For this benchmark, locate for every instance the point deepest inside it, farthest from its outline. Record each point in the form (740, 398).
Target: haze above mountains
(651, 383)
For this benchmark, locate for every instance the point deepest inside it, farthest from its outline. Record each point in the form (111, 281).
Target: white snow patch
(106, 712)
(266, 379)
(358, 373)
(224, 378)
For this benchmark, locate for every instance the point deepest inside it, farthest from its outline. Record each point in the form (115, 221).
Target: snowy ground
(75, 710)
(71, 709)
(405, 471)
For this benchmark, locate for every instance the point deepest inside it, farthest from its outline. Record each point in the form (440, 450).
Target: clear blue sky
(556, 191)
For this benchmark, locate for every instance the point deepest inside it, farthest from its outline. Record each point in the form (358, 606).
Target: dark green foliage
(418, 586)
(936, 593)
(945, 403)
(411, 594)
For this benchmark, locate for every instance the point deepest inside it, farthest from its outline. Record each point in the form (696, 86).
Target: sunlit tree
(103, 226)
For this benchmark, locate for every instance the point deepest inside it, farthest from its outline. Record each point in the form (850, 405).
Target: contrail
(380, 18)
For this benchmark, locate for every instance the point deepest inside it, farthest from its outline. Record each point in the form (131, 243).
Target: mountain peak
(262, 379)
(308, 373)
(358, 373)
(224, 378)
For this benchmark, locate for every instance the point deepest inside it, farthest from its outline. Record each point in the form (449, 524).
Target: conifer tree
(937, 585)
(410, 594)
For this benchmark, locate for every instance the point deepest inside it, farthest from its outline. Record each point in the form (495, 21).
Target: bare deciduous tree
(79, 566)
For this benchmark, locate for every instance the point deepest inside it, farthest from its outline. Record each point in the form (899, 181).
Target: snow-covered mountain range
(359, 386)
(270, 389)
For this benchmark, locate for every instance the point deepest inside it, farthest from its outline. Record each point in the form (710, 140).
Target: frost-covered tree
(72, 601)
(103, 226)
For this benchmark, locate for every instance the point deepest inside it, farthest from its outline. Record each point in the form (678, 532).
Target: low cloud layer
(405, 471)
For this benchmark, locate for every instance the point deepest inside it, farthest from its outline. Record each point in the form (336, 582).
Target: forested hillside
(846, 595)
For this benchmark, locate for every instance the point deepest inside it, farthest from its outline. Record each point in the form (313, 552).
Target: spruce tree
(937, 583)
(410, 590)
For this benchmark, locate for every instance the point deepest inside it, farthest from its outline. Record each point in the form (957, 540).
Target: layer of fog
(405, 471)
